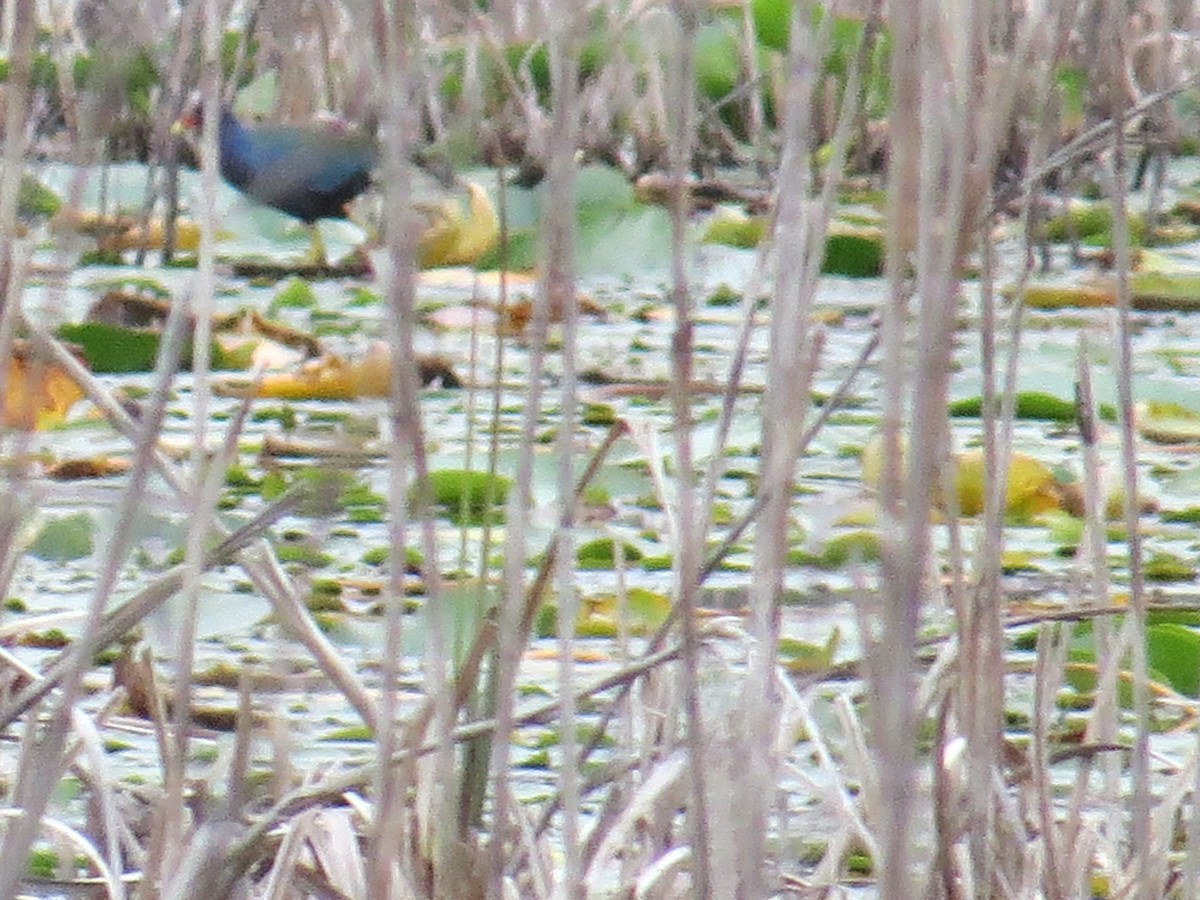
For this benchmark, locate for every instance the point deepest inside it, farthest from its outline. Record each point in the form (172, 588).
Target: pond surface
(630, 343)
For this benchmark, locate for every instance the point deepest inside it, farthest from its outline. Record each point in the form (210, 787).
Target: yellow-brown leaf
(36, 393)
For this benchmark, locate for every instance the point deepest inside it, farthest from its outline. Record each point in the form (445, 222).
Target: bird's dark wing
(306, 173)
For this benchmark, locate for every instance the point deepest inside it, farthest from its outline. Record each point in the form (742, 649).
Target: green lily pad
(854, 547)
(601, 554)
(1168, 567)
(1172, 658)
(296, 293)
(64, 539)
(1029, 405)
(734, 228)
(1174, 651)
(468, 497)
(804, 656)
(35, 199)
(113, 349)
(853, 251)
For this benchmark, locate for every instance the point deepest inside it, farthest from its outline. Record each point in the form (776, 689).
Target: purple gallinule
(310, 172)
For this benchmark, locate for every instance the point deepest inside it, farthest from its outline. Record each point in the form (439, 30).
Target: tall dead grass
(718, 755)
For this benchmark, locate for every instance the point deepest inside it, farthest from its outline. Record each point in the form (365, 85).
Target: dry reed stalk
(1135, 829)
(1111, 647)
(744, 762)
(1191, 862)
(21, 22)
(887, 656)
(512, 637)
(831, 405)
(390, 822)
(557, 284)
(555, 297)
(16, 110)
(506, 656)
(981, 696)
(203, 489)
(476, 762)
(756, 126)
(484, 641)
(681, 532)
(165, 162)
(681, 135)
(129, 614)
(1102, 726)
(944, 142)
(984, 856)
(798, 240)
(1061, 878)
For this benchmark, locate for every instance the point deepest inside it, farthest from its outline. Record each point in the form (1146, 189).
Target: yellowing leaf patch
(1167, 423)
(1032, 487)
(36, 393)
(119, 233)
(454, 239)
(333, 378)
(600, 615)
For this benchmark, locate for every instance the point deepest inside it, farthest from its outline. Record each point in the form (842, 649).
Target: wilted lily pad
(601, 615)
(1167, 423)
(1032, 487)
(327, 378)
(37, 394)
(1069, 296)
(331, 377)
(1148, 291)
(803, 656)
(454, 239)
(355, 265)
(87, 467)
(119, 233)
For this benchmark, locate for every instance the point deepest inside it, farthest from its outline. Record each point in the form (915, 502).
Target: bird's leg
(373, 236)
(316, 252)
(365, 223)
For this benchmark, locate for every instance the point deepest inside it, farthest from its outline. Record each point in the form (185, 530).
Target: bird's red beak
(190, 121)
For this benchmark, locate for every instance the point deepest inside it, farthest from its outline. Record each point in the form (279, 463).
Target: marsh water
(626, 274)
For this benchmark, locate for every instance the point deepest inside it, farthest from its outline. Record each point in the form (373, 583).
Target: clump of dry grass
(721, 753)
